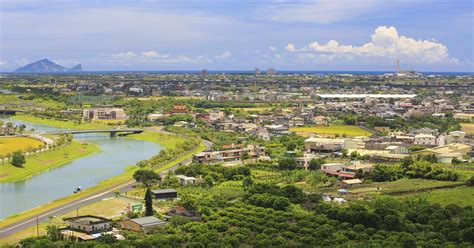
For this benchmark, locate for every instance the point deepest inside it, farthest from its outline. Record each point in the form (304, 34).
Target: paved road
(71, 206)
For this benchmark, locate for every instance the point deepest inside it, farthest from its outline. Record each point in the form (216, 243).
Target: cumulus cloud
(3, 63)
(385, 43)
(154, 54)
(225, 55)
(290, 47)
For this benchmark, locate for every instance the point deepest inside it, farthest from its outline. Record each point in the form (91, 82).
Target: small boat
(79, 188)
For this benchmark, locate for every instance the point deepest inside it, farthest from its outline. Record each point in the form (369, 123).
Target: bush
(18, 159)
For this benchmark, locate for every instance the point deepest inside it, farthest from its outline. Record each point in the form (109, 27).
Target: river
(116, 154)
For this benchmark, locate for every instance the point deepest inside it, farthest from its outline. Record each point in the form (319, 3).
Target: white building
(425, 140)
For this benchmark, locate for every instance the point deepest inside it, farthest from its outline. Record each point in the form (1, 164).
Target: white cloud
(124, 55)
(154, 54)
(273, 49)
(385, 43)
(224, 56)
(290, 47)
(3, 63)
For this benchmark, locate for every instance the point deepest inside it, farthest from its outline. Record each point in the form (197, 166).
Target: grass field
(60, 124)
(11, 144)
(163, 139)
(403, 185)
(108, 208)
(462, 196)
(332, 130)
(13, 101)
(49, 159)
(467, 127)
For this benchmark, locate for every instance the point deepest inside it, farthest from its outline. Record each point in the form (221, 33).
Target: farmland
(332, 130)
(468, 128)
(11, 144)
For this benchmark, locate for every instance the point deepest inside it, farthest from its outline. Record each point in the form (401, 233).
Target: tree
(287, 164)
(148, 203)
(107, 238)
(470, 181)
(344, 152)
(18, 159)
(53, 232)
(315, 163)
(147, 177)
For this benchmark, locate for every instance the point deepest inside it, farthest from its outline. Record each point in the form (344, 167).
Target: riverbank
(38, 163)
(108, 185)
(58, 123)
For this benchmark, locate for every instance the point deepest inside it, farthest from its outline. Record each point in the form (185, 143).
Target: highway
(78, 203)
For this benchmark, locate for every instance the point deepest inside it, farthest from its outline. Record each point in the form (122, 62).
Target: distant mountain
(46, 66)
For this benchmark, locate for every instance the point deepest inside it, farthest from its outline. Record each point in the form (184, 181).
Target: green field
(332, 130)
(165, 140)
(462, 196)
(60, 124)
(47, 160)
(11, 144)
(13, 101)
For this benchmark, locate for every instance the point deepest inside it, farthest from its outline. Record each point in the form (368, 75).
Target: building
(447, 152)
(165, 194)
(262, 133)
(5, 130)
(179, 109)
(216, 115)
(89, 224)
(204, 73)
(323, 145)
(455, 137)
(257, 71)
(345, 171)
(394, 149)
(303, 162)
(185, 180)
(183, 212)
(271, 72)
(350, 183)
(235, 154)
(143, 224)
(425, 140)
(104, 114)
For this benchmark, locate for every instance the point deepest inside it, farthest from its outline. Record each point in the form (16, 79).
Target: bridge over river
(113, 132)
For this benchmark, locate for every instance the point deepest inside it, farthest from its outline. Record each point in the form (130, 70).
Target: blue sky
(426, 35)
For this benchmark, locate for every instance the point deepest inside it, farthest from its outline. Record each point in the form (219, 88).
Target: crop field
(332, 130)
(467, 127)
(11, 144)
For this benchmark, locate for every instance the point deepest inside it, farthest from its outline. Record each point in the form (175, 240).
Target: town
(264, 143)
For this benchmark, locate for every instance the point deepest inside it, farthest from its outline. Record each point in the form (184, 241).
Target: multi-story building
(104, 114)
(229, 155)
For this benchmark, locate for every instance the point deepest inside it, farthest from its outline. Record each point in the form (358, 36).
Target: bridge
(113, 132)
(9, 111)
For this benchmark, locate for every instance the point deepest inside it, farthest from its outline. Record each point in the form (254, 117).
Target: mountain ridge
(46, 66)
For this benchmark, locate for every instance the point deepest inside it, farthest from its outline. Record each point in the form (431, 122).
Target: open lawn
(108, 208)
(332, 130)
(468, 128)
(403, 186)
(11, 144)
(46, 160)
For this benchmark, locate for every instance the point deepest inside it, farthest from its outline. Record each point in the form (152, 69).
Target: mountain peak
(46, 66)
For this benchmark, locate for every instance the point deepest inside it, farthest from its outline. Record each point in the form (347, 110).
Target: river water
(116, 154)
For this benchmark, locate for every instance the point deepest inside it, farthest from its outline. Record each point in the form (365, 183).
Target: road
(78, 203)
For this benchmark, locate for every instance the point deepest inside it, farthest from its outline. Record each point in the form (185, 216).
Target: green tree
(53, 232)
(107, 238)
(287, 164)
(18, 159)
(315, 163)
(148, 202)
(147, 177)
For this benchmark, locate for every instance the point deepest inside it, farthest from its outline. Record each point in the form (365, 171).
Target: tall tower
(398, 66)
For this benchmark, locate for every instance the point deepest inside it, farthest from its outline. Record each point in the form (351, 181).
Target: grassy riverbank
(60, 124)
(110, 184)
(44, 161)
